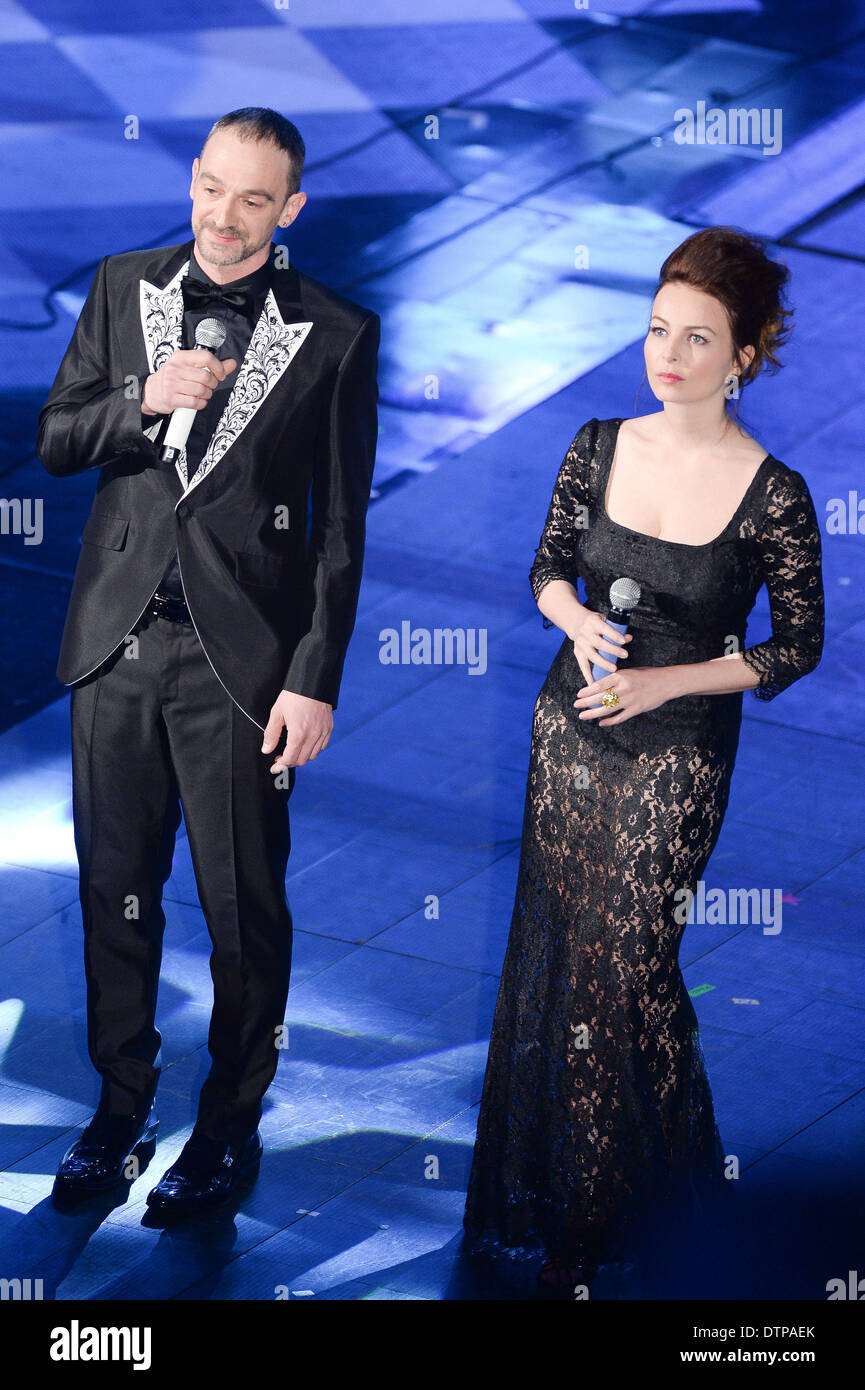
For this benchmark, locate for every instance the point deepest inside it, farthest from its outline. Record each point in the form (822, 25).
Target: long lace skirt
(596, 1126)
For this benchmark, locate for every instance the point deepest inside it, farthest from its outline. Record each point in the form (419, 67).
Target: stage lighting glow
(34, 835)
(10, 1016)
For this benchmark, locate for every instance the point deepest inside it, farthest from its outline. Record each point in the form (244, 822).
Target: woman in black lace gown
(596, 1125)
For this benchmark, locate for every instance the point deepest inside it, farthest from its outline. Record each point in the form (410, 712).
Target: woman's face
(689, 347)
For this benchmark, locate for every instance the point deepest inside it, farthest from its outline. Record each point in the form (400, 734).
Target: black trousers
(153, 729)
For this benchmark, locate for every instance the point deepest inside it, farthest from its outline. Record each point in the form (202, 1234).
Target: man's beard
(227, 255)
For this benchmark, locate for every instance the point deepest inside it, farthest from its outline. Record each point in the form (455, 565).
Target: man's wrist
(145, 408)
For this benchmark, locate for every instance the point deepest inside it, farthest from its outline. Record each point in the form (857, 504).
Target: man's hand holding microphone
(186, 381)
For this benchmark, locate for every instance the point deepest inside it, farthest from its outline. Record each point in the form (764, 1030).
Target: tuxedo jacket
(269, 529)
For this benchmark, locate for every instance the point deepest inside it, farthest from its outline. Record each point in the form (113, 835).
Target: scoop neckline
(662, 540)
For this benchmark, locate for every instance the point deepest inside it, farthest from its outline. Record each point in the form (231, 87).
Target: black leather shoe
(101, 1158)
(207, 1173)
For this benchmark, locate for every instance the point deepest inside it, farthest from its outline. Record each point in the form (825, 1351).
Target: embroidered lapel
(162, 326)
(272, 348)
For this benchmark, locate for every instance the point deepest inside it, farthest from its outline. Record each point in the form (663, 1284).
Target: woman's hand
(640, 689)
(590, 630)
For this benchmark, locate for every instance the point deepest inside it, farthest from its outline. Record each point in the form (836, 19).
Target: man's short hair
(261, 123)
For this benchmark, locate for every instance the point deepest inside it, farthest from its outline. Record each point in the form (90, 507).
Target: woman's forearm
(723, 675)
(558, 601)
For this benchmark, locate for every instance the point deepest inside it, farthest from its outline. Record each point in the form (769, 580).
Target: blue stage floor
(466, 248)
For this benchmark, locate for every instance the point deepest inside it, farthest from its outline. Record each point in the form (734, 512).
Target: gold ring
(609, 697)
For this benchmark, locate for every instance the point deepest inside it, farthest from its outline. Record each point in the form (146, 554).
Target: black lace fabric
(596, 1120)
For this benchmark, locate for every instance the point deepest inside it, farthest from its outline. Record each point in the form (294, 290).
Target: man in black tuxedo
(211, 610)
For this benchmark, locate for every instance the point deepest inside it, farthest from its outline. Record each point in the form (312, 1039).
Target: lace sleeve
(790, 555)
(556, 557)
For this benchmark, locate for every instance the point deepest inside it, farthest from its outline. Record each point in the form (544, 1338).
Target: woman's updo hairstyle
(733, 268)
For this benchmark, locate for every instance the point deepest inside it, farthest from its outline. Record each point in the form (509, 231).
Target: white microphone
(210, 333)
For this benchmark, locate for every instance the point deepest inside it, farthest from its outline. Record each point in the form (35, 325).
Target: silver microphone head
(211, 334)
(625, 594)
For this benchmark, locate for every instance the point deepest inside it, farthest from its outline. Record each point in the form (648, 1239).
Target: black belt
(167, 606)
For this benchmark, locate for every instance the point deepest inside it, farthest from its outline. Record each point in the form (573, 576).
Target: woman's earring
(731, 386)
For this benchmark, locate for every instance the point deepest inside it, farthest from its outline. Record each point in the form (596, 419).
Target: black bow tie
(198, 295)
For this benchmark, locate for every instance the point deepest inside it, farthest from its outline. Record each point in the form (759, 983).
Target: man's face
(239, 196)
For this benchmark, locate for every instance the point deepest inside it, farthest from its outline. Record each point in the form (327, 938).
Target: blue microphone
(624, 595)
